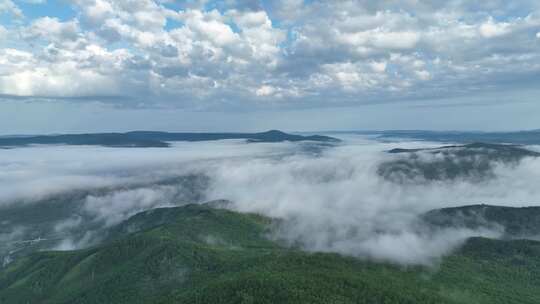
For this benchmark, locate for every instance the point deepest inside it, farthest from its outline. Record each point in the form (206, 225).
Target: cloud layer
(334, 201)
(249, 54)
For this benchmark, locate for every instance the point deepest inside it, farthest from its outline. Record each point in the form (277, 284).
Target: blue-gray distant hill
(473, 162)
(529, 137)
(153, 139)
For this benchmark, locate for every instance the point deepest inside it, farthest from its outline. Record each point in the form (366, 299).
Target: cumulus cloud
(491, 29)
(333, 201)
(423, 74)
(378, 66)
(213, 57)
(9, 7)
(63, 73)
(265, 90)
(52, 29)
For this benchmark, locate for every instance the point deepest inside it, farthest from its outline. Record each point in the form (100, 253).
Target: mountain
(474, 161)
(529, 137)
(99, 139)
(521, 222)
(501, 151)
(153, 139)
(28, 226)
(201, 254)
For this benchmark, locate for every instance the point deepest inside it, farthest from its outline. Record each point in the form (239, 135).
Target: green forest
(200, 254)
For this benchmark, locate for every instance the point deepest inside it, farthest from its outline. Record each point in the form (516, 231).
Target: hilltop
(525, 137)
(523, 222)
(474, 161)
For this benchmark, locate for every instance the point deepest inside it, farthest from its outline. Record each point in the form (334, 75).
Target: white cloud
(335, 202)
(324, 52)
(395, 40)
(116, 207)
(423, 74)
(490, 28)
(96, 11)
(378, 66)
(53, 30)
(75, 73)
(210, 27)
(9, 7)
(257, 30)
(265, 90)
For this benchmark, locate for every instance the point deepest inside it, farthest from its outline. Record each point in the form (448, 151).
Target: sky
(240, 65)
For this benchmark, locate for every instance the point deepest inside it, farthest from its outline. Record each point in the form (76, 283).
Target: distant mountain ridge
(526, 137)
(154, 138)
(516, 222)
(474, 161)
(511, 149)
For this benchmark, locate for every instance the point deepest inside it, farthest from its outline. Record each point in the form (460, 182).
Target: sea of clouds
(331, 201)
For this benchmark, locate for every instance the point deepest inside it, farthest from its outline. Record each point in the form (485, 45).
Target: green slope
(522, 222)
(473, 162)
(197, 254)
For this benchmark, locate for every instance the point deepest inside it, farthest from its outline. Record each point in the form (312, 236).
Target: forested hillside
(200, 254)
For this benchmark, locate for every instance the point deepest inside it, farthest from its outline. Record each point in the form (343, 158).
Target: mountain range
(195, 252)
(526, 137)
(204, 254)
(474, 161)
(153, 139)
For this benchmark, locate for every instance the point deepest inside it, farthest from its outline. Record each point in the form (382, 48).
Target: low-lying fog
(331, 199)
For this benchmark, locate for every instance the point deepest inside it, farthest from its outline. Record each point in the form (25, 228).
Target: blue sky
(195, 65)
